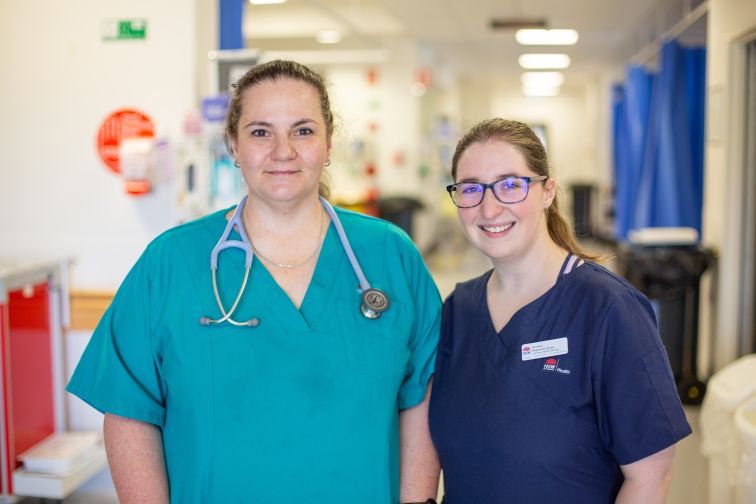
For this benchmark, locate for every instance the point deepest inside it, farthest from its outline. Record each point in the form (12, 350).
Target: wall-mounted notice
(124, 29)
(121, 124)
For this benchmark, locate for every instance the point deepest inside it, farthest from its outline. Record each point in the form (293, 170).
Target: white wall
(355, 103)
(403, 140)
(731, 24)
(387, 103)
(400, 129)
(60, 80)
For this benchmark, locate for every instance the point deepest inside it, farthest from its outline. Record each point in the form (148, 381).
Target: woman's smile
(496, 230)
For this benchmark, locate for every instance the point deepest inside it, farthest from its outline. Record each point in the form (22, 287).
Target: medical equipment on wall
(191, 199)
(374, 301)
(226, 182)
(137, 164)
(146, 164)
(207, 178)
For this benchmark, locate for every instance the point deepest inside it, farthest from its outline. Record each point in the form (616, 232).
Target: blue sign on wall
(214, 108)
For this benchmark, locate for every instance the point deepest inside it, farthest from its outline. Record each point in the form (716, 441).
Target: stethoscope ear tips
(253, 322)
(374, 302)
(204, 321)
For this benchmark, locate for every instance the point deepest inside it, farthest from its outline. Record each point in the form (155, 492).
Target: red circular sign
(124, 123)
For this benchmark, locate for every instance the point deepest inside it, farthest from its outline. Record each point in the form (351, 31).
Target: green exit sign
(124, 29)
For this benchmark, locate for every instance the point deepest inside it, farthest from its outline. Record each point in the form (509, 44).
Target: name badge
(541, 349)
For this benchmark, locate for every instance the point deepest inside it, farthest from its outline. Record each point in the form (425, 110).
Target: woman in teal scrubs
(317, 403)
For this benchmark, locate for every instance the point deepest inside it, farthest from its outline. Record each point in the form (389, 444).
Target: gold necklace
(293, 266)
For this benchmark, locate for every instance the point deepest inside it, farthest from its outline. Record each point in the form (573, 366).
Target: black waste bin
(670, 277)
(582, 211)
(400, 210)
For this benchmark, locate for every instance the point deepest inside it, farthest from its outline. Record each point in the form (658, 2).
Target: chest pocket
(375, 347)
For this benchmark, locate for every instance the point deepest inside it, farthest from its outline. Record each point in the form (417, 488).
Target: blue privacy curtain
(658, 147)
(632, 102)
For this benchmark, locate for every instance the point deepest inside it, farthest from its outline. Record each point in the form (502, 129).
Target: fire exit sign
(124, 29)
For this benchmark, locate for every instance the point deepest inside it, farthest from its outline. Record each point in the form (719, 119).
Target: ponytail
(561, 232)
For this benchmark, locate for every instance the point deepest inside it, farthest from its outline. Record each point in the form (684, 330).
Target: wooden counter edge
(87, 308)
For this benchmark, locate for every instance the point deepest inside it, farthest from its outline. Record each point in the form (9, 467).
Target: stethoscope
(374, 301)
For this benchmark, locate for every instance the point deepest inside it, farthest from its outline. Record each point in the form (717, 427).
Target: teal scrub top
(302, 408)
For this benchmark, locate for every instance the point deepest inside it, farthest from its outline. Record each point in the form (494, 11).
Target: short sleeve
(639, 411)
(426, 327)
(118, 372)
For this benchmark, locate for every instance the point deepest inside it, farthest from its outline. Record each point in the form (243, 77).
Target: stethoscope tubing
(364, 284)
(369, 308)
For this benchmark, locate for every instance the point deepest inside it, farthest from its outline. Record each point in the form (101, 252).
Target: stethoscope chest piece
(374, 302)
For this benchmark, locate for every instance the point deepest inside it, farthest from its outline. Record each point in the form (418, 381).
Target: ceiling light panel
(540, 90)
(542, 78)
(329, 36)
(546, 37)
(266, 2)
(544, 61)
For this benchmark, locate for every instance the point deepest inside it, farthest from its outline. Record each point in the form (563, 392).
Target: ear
(232, 143)
(549, 191)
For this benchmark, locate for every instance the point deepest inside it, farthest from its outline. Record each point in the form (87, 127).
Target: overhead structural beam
(353, 29)
(230, 24)
(688, 20)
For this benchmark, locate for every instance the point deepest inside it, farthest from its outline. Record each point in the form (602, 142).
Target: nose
(490, 206)
(283, 149)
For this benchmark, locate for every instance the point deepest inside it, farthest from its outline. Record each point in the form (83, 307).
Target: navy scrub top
(302, 408)
(556, 428)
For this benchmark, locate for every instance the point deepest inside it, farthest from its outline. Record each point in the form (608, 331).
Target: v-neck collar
(318, 292)
(514, 324)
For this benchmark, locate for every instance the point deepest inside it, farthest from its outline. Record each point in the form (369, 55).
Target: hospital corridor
(341, 250)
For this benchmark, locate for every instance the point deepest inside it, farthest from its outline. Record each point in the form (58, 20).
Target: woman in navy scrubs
(551, 383)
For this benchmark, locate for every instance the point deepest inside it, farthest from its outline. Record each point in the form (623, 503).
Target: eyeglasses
(507, 190)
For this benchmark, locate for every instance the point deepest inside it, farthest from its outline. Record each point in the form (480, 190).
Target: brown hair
(272, 71)
(522, 138)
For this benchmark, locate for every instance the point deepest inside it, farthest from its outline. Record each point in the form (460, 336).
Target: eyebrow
(267, 124)
(499, 177)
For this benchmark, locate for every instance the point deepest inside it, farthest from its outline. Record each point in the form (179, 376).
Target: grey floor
(690, 477)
